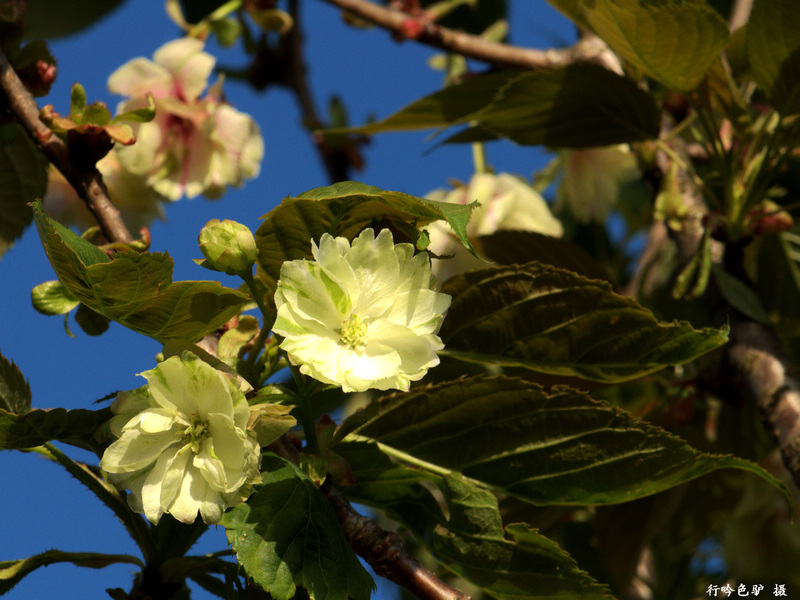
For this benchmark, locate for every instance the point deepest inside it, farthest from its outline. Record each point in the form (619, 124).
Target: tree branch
(755, 350)
(337, 161)
(383, 550)
(473, 46)
(88, 183)
(760, 359)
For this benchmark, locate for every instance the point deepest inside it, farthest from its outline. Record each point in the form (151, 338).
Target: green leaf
(36, 427)
(672, 42)
(144, 114)
(15, 393)
(578, 106)
(511, 436)
(92, 323)
(55, 18)
(287, 535)
(12, 571)
(345, 209)
(136, 289)
(509, 247)
(553, 321)
(515, 563)
(741, 297)
(470, 541)
(778, 280)
(572, 9)
(23, 171)
(773, 49)
(383, 483)
(53, 298)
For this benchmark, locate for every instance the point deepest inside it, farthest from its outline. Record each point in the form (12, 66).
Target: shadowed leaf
(554, 321)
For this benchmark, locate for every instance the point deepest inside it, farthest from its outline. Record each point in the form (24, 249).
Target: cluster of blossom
(727, 590)
(361, 316)
(195, 145)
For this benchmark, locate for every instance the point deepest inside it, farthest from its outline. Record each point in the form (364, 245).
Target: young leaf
(12, 571)
(23, 171)
(345, 209)
(773, 48)
(53, 298)
(553, 321)
(136, 289)
(287, 535)
(36, 427)
(558, 448)
(673, 42)
(15, 393)
(578, 106)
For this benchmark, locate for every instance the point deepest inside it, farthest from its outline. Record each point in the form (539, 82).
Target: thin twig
(337, 161)
(473, 46)
(88, 183)
(383, 550)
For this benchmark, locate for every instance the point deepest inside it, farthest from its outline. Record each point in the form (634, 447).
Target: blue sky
(41, 506)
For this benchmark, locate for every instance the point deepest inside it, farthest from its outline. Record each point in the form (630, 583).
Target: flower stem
(260, 341)
(479, 158)
(133, 522)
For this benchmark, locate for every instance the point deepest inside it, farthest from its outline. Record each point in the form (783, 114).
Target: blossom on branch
(194, 145)
(506, 202)
(362, 316)
(183, 442)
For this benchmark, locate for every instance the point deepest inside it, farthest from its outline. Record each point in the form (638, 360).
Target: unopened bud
(228, 246)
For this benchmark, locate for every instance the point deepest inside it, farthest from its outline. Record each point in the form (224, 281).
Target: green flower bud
(228, 246)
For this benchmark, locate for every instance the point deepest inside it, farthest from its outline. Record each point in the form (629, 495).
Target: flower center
(196, 433)
(354, 332)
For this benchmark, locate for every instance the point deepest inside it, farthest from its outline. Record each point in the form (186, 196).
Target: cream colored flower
(194, 145)
(506, 202)
(183, 444)
(362, 316)
(593, 180)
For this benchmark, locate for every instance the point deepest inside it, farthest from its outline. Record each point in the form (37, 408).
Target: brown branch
(473, 46)
(383, 550)
(760, 359)
(87, 182)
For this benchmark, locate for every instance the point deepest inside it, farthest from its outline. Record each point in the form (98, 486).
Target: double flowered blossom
(506, 202)
(194, 145)
(362, 316)
(183, 445)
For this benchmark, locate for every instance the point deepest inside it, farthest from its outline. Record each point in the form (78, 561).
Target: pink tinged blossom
(194, 145)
